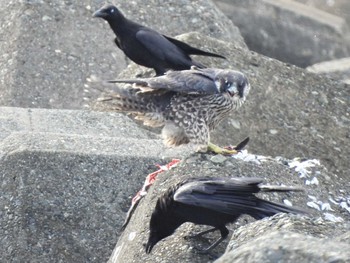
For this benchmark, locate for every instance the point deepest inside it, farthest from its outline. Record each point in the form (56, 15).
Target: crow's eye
(112, 10)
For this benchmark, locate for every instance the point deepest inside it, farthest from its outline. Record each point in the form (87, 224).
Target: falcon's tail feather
(129, 81)
(135, 100)
(142, 107)
(128, 100)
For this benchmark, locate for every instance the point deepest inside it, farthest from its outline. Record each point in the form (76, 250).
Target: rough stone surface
(336, 69)
(177, 248)
(178, 17)
(72, 122)
(340, 8)
(67, 178)
(289, 31)
(50, 48)
(289, 112)
(58, 206)
(49, 51)
(264, 238)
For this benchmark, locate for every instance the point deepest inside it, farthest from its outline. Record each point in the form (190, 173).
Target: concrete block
(50, 49)
(336, 69)
(67, 179)
(289, 31)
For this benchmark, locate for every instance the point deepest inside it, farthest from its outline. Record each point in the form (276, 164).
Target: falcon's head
(234, 83)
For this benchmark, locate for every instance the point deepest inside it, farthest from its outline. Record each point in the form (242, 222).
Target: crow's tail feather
(192, 50)
(280, 188)
(266, 208)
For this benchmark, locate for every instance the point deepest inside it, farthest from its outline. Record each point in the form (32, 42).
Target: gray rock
(340, 7)
(289, 31)
(50, 49)
(72, 122)
(68, 176)
(218, 158)
(285, 98)
(282, 239)
(336, 69)
(289, 112)
(295, 228)
(67, 181)
(178, 17)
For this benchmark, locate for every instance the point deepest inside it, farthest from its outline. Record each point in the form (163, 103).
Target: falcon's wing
(194, 81)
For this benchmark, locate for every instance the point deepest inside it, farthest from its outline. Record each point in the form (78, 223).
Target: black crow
(147, 47)
(212, 201)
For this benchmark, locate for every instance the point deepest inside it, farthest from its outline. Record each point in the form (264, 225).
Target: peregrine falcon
(188, 104)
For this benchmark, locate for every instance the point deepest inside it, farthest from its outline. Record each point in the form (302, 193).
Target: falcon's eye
(227, 84)
(242, 85)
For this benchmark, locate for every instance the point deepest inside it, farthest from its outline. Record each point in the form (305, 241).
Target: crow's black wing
(192, 50)
(233, 196)
(194, 81)
(225, 195)
(223, 185)
(161, 48)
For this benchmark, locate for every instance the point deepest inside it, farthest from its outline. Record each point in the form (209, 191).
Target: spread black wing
(233, 196)
(162, 48)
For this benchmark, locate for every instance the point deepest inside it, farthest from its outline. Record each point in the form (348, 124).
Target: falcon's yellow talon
(216, 149)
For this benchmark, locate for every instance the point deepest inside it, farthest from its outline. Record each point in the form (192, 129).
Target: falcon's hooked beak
(225, 86)
(240, 87)
(232, 90)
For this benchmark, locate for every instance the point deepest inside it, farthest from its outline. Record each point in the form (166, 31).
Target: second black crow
(215, 202)
(147, 47)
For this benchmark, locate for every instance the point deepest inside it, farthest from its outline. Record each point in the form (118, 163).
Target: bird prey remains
(188, 104)
(147, 47)
(212, 201)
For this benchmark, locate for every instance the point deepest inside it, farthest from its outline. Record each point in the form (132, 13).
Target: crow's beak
(152, 240)
(149, 247)
(99, 13)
